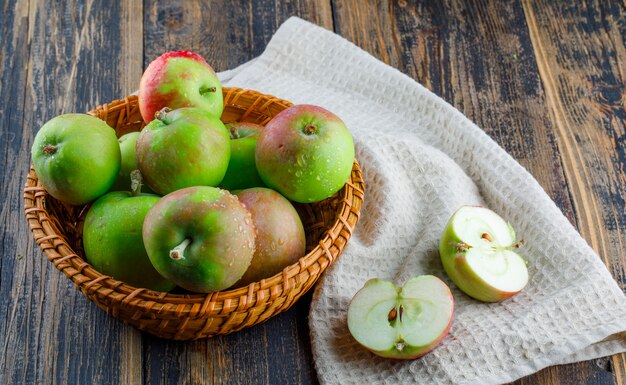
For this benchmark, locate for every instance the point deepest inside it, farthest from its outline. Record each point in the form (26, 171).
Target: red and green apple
(179, 79)
(201, 238)
(183, 148)
(305, 153)
(477, 251)
(280, 239)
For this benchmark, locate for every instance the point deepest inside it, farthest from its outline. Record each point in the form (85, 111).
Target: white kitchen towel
(421, 160)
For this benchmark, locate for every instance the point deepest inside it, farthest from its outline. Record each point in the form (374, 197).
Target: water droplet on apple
(298, 173)
(240, 228)
(273, 245)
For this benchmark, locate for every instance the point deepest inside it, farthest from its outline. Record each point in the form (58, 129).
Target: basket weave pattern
(57, 229)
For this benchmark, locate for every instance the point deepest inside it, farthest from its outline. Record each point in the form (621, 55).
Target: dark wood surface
(545, 79)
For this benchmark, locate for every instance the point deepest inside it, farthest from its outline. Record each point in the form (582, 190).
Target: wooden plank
(581, 58)
(278, 351)
(56, 58)
(479, 57)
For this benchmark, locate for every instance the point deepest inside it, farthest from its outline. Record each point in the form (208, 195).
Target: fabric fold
(421, 160)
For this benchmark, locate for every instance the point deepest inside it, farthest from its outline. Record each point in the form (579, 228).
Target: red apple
(280, 235)
(179, 79)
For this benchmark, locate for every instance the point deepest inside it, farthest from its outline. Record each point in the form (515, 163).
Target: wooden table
(544, 79)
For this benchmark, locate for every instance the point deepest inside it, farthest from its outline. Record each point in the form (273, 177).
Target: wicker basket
(57, 229)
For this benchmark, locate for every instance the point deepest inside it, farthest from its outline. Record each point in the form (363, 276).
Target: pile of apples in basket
(190, 202)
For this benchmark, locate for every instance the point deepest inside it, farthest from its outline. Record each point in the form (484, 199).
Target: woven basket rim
(89, 280)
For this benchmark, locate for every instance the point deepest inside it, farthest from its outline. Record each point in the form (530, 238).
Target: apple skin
(455, 264)
(220, 231)
(376, 286)
(280, 238)
(183, 148)
(179, 79)
(128, 144)
(112, 239)
(76, 157)
(305, 153)
(242, 172)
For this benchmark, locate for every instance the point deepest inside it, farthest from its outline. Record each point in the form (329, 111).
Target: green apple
(183, 148)
(305, 153)
(242, 172)
(280, 239)
(405, 322)
(179, 79)
(127, 144)
(76, 157)
(476, 250)
(201, 238)
(112, 239)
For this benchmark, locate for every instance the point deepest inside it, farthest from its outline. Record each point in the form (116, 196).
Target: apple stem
(233, 132)
(206, 90)
(178, 252)
(310, 129)
(136, 182)
(49, 149)
(162, 114)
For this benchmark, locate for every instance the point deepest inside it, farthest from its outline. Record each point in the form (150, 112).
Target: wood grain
(581, 58)
(56, 58)
(278, 351)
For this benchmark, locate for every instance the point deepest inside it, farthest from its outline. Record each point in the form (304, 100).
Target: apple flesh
(280, 239)
(183, 148)
(76, 157)
(305, 153)
(242, 172)
(405, 322)
(476, 250)
(179, 79)
(201, 238)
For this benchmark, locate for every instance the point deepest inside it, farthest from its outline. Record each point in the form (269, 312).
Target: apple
(476, 250)
(179, 79)
(405, 322)
(201, 238)
(242, 172)
(280, 239)
(183, 148)
(76, 157)
(305, 153)
(112, 239)
(127, 144)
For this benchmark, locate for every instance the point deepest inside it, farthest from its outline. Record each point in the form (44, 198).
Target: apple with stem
(405, 322)
(201, 238)
(179, 79)
(477, 251)
(123, 182)
(305, 153)
(76, 157)
(112, 237)
(242, 172)
(183, 148)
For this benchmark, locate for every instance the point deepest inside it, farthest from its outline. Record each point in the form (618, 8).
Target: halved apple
(405, 322)
(476, 250)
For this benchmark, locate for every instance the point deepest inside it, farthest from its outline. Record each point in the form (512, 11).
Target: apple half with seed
(405, 322)
(477, 251)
